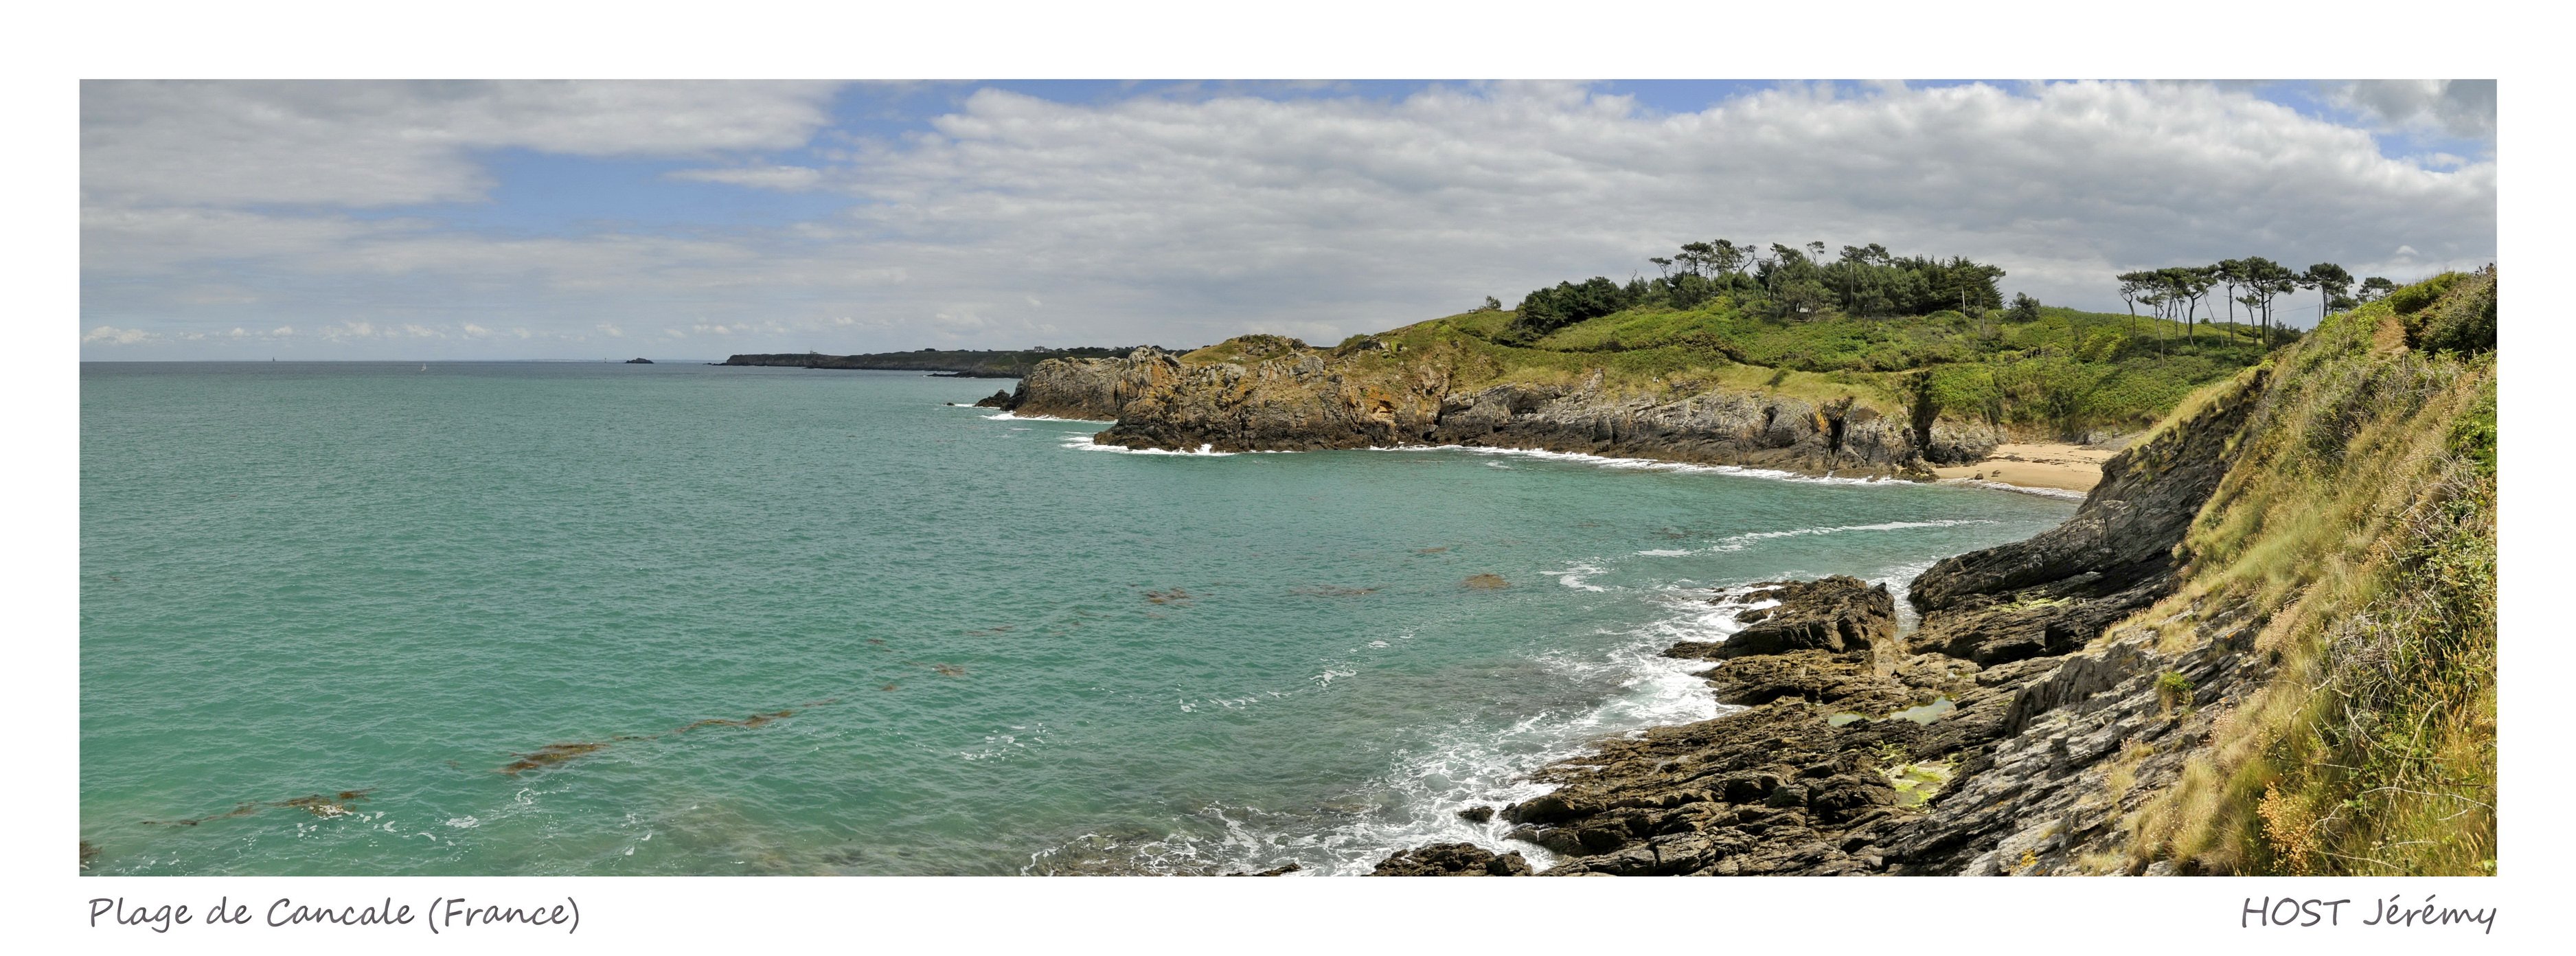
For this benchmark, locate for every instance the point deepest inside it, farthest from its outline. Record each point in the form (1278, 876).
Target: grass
(2067, 374)
(2358, 532)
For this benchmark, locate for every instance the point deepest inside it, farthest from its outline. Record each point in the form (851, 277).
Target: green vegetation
(1909, 336)
(1914, 337)
(1783, 283)
(2063, 372)
(2357, 532)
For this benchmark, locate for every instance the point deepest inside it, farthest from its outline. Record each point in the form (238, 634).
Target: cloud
(764, 177)
(388, 143)
(1181, 220)
(115, 336)
(2461, 108)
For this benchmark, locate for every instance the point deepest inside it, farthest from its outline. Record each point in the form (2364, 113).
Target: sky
(588, 220)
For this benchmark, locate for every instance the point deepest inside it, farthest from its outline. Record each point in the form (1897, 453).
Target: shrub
(2462, 320)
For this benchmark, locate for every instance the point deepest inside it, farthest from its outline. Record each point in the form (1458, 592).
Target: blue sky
(553, 220)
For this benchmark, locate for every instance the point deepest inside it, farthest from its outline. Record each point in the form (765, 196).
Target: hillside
(1716, 383)
(2265, 644)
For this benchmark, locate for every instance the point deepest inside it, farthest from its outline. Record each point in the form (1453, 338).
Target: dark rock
(1838, 613)
(2051, 594)
(1477, 814)
(1452, 859)
(1000, 399)
(1275, 871)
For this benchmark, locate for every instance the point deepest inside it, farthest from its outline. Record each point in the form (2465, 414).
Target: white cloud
(386, 143)
(115, 336)
(2462, 108)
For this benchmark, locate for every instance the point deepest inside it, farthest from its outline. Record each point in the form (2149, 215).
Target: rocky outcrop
(1000, 399)
(1452, 859)
(1278, 395)
(2008, 734)
(2056, 591)
(1092, 389)
(1838, 613)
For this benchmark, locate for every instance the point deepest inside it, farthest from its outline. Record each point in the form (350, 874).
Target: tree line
(1779, 282)
(2182, 293)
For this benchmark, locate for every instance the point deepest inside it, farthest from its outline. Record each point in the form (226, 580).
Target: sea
(680, 619)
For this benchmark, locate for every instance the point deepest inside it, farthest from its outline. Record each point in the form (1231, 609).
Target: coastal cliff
(2205, 670)
(1267, 393)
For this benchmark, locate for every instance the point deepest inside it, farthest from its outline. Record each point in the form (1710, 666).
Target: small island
(639, 361)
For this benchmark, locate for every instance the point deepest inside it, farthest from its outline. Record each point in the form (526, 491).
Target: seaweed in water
(754, 720)
(322, 806)
(1332, 591)
(1173, 596)
(889, 687)
(1487, 582)
(89, 854)
(949, 670)
(316, 804)
(550, 755)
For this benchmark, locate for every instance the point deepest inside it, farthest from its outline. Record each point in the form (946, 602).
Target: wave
(1085, 443)
(1738, 542)
(1418, 800)
(1015, 417)
(2065, 493)
(1644, 464)
(1578, 576)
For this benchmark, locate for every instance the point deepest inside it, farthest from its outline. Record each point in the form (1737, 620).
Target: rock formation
(2000, 737)
(1278, 395)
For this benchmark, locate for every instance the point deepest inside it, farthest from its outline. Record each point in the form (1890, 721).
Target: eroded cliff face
(1284, 398)
(2008, 734)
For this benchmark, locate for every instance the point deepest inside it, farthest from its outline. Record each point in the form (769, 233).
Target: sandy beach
(2036, 465)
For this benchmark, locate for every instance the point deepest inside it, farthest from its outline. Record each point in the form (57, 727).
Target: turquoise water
(1004, 652)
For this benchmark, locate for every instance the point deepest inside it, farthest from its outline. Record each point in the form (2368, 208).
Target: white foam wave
(1015, 417)
(2065, 493)
(1578, 576)
(1738, 542)
(1418, 801)
(1085, 443)
(1647, 464)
